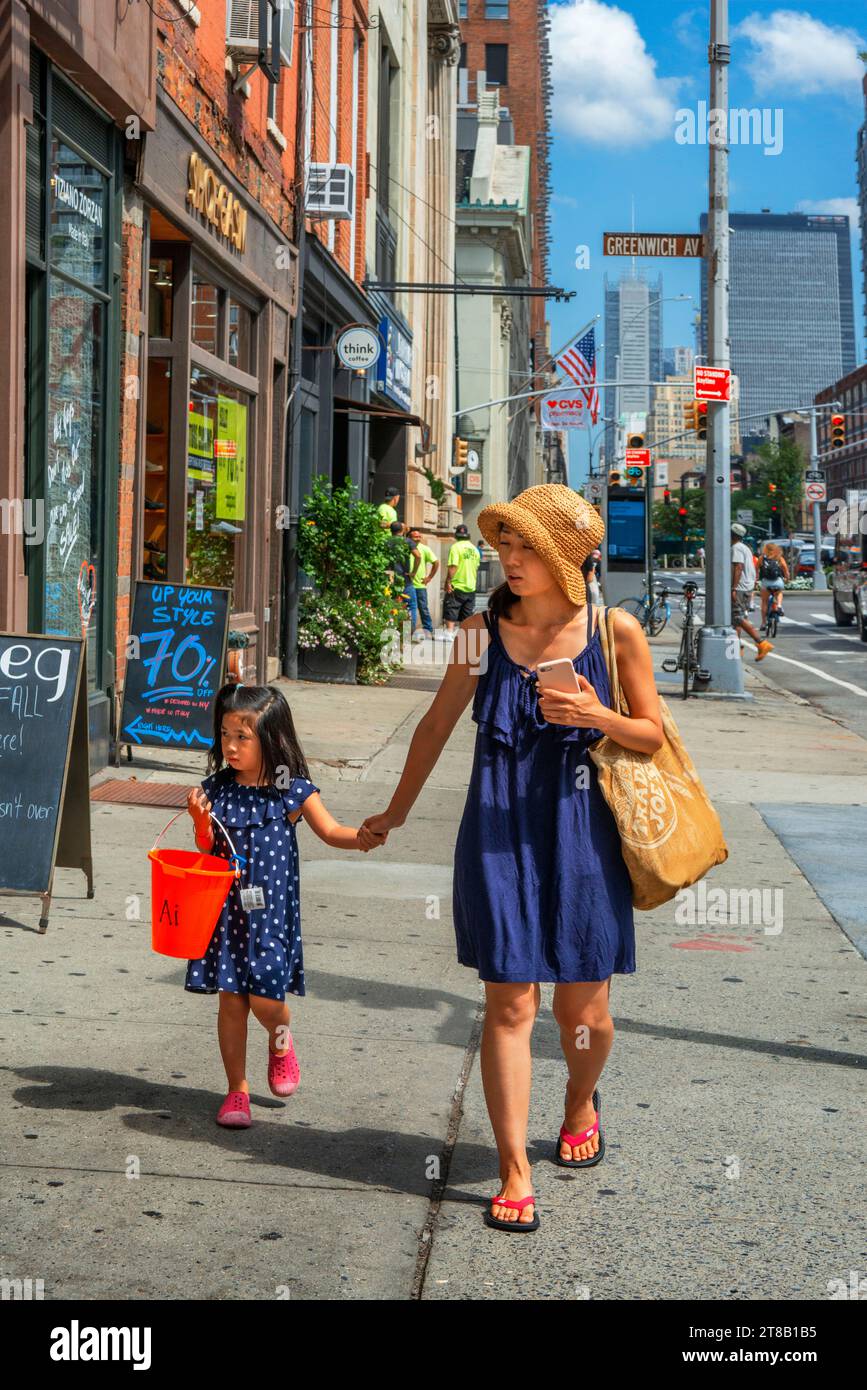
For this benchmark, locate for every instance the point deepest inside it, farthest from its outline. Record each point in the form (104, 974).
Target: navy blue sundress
(540, 889)
(256, 952)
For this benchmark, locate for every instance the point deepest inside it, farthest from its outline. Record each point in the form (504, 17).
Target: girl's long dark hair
(271, 716)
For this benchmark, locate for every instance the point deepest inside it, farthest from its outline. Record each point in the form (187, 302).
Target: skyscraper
(861, 161)
(791, 310)
(633, 338)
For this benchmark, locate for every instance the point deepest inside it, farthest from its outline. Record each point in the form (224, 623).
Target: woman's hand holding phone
(581, 710)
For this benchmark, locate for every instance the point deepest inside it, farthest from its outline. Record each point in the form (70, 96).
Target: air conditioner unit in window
(329, 191)
(242, 28)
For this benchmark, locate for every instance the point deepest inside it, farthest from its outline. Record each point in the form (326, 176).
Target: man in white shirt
(743, 584)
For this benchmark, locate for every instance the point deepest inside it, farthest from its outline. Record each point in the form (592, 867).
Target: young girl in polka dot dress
(258, 788)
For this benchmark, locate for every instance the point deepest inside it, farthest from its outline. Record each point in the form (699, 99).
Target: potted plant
(348, 616)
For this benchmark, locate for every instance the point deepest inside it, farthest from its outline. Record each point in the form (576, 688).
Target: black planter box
(322, 664)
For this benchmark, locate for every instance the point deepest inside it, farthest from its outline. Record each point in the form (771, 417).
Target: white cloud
(606, 88)
(795, 51)
(564, 199)
(838, 207)
(690, 29)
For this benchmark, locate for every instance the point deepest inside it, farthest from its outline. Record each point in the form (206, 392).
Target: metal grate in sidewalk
(135, 793)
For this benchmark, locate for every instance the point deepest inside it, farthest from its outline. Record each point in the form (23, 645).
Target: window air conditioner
(242, 28)
(329, 192)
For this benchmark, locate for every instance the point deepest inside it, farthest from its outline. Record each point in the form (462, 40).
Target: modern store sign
(216, 202)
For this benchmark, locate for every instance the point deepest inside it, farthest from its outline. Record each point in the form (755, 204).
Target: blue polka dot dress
(256, 952)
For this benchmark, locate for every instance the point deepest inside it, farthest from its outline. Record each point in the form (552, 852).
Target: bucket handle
(236, 858)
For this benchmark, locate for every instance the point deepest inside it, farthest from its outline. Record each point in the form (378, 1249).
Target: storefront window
(78, 192)
(206, 314)
(75, 422)
(217, 440)
(157, 467)
(161, 278)
(240, 326)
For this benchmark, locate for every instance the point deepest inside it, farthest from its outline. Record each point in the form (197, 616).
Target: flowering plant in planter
(352, 606)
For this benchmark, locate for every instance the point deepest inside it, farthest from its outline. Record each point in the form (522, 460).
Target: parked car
(806, 561)
(849, 583)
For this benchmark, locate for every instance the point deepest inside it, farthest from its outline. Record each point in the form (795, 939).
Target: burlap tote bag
(669, 832)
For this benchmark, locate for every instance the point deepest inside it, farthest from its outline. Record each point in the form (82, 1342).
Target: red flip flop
(575, 1140)
(500, 1225)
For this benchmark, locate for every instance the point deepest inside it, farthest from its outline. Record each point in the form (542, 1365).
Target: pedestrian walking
(541, 890)
(403, 557)
(773, 574)
(258, 787)
(590, 570)
(461, 574)
(387, 510)
(743, 584)
(421, 577)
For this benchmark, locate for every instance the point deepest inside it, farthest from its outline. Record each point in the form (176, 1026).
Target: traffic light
(666, 497)
(690, 415)
(634, 471)
(838, 431)
(635, 441)
(681, 511)
(614, 479)
(701, 423)
(462, 451)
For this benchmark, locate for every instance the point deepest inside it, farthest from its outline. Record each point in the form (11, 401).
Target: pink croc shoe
(234, 1113)
(284, 1072)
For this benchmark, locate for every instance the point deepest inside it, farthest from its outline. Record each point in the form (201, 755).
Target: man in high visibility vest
(387, 510)
(463, 567)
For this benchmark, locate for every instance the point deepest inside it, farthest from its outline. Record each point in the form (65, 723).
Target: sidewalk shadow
(452, 1030)
(368, 1156)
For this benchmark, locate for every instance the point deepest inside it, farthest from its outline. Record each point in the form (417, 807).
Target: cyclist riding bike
(773, 573)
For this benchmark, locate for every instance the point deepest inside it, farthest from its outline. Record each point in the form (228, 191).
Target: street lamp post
(718, 649)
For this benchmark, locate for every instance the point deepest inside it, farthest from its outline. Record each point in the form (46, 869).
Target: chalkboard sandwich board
(176, 657)
(44, 773)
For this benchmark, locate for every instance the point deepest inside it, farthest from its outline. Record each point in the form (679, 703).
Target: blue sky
(621, 72)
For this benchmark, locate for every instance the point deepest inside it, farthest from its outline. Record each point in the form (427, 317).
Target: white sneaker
(418, 636)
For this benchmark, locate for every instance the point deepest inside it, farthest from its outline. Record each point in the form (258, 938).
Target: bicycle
(687, 658)
(652, 614)
(772, 616)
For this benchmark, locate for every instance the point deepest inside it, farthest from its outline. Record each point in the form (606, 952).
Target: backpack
(770, 569)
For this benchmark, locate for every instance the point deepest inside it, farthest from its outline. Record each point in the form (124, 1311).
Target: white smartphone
(559, 674)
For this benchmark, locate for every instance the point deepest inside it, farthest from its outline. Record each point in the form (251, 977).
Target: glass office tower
(791, 310)
(633, 334)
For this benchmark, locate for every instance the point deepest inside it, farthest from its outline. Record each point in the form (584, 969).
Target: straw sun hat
(562, 528)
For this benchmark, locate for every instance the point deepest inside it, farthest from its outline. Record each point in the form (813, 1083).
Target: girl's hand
(583, 710)
(199, 808)
(367, 840)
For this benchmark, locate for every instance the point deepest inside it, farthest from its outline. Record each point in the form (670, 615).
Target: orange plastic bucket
(188, 890)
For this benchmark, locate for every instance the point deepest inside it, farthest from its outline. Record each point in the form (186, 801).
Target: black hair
(268, 712)
(396, 528)
(392, 492)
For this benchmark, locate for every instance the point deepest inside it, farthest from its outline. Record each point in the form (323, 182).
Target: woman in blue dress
(541, 892)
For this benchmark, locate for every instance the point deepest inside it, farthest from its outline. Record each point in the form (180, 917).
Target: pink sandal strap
(516, 1206)
(577, 1139)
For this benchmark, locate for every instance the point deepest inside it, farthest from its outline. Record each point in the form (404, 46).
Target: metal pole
(819, 580)
(719, 651)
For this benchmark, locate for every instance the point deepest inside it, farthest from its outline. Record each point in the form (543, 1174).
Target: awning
(344, 404)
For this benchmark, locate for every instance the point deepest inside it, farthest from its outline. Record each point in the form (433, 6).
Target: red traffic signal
(702, 419)
(838, 431)
(666, 497)
(681, 511)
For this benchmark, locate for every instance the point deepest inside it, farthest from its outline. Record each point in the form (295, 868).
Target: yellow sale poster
(200, 447)
(230, 448)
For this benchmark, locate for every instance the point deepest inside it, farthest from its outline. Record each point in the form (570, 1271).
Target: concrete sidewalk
(733, 1157)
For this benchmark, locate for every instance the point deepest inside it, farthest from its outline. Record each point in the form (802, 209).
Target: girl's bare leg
(505, 1065)
(232, 1033)
(586, 1037)
(273, 1014)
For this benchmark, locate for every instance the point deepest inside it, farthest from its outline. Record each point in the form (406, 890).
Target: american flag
(579, 363)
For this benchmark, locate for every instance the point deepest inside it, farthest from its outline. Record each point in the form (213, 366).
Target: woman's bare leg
(232, 1033)
(505, 1065)
(586, 1037)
